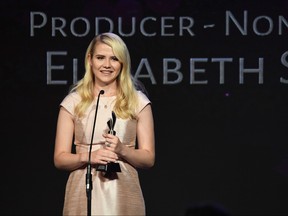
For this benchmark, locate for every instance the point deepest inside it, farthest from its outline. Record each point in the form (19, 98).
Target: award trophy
(111, 166)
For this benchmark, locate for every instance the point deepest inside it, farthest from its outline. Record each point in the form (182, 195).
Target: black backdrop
(220, 139)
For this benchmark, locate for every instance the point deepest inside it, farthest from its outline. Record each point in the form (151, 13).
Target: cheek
(94, 64)
(117, 67)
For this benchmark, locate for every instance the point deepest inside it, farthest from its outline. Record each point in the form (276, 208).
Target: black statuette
(110, 167)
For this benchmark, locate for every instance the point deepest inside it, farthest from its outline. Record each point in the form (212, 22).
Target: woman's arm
(63, 156)
(144, 156)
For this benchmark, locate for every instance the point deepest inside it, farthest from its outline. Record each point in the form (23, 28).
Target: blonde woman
(107, 65)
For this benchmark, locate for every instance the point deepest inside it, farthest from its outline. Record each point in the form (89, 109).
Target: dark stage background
(215, 71)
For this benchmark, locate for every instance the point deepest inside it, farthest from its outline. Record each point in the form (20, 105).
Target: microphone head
(101, 92)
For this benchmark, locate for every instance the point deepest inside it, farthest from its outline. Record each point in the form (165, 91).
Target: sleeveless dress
(117, 195)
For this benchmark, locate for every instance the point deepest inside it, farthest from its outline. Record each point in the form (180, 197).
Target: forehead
(103, 49)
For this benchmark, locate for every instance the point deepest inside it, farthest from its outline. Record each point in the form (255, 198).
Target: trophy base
(110, 167)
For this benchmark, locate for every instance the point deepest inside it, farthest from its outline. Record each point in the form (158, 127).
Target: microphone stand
(88, 174)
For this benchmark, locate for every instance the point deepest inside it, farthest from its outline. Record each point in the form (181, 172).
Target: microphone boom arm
(88, 174)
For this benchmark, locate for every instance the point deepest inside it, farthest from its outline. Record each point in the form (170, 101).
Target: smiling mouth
(106, 71)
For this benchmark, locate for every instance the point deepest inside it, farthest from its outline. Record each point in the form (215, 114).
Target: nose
(107, 63)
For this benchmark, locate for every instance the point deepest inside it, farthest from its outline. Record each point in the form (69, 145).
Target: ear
(90, 60)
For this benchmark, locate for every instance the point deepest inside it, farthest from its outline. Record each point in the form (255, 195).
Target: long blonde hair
(126, 99)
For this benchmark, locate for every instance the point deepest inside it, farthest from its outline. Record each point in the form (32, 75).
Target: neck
(107, 91)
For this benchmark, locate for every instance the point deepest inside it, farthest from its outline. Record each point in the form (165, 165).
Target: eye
(114, 58)
(99, 57)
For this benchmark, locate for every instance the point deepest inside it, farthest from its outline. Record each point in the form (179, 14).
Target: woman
(107, 65)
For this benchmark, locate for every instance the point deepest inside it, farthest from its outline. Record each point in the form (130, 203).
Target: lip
(106, 71)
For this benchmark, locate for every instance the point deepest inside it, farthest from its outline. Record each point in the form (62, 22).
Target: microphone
(88, 174)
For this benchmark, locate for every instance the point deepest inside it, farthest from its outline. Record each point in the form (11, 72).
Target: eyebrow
(104, 55)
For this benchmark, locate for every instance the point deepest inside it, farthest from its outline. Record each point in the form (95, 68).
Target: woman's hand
(112, 143)
(103, 156)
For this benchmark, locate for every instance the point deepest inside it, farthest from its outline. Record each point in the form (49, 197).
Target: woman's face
(104, 64)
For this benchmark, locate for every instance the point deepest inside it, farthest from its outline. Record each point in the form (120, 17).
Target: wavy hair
(126, 97)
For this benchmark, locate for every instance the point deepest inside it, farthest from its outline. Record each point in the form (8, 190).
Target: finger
(108, 136)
